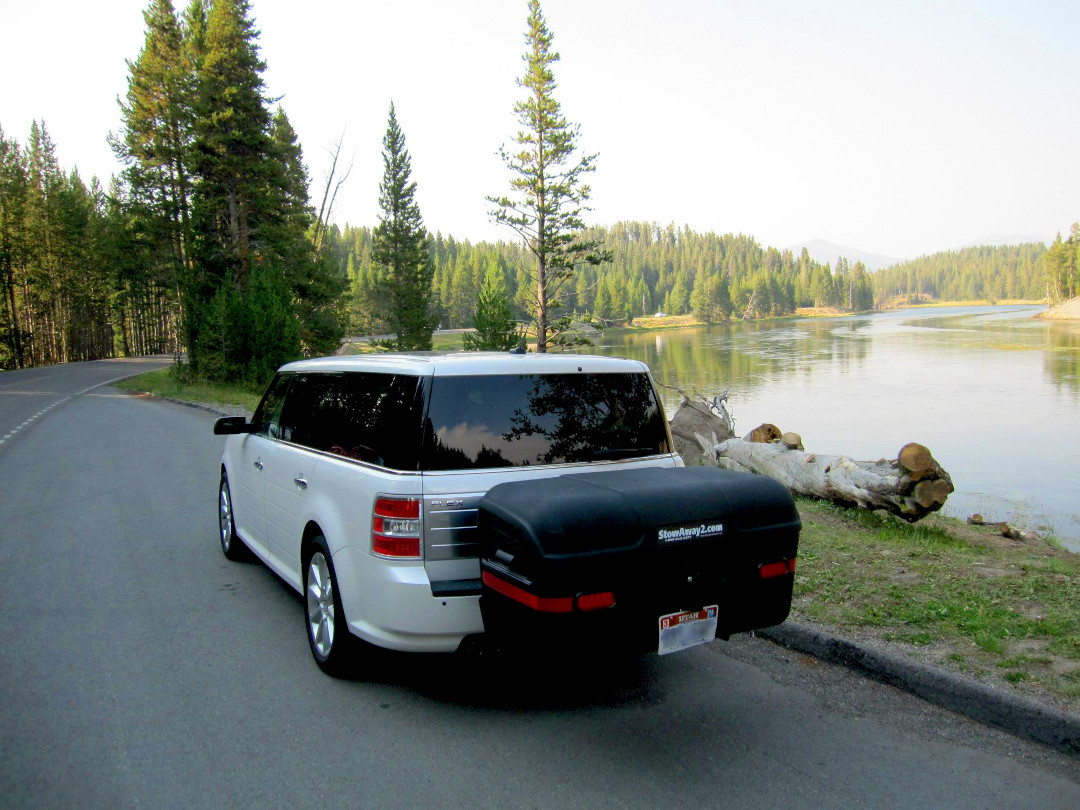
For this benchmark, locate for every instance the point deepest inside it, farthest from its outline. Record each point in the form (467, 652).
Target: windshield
(521, 420)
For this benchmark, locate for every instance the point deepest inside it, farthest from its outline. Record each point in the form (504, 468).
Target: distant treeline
(652, 269)
(679, 271)
(971, 274)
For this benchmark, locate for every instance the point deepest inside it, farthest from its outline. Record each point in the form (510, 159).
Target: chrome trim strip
(570, 465)
(365, 464)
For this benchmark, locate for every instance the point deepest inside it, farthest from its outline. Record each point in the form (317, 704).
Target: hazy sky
(897, 128)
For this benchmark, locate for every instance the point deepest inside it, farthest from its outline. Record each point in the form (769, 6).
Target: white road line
(61, 402)
(44, 411)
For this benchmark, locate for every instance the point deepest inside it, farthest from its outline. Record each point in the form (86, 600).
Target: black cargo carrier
(657, 558)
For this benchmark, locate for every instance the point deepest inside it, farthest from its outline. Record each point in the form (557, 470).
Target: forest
(649, 269)
(208, 242)
(1006, 272)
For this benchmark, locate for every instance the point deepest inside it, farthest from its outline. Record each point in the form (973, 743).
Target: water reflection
(1062, 355)
(994, 392)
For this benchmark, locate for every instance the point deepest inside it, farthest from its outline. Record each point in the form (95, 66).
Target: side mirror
(228, 425)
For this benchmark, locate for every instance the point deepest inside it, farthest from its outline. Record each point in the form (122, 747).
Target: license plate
(681, 631)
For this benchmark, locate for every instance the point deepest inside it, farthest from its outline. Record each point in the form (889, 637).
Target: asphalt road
(29, 394)
(140, 668)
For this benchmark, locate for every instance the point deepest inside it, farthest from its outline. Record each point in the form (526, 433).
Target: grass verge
(440, 342)
(961, 596)
(165, 383)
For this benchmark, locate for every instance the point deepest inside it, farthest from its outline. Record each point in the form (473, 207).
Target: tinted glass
(268, 414)
(374, 418)
(520, 420)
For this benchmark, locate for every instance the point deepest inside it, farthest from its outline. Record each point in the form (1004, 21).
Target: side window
(374, 418)
(268, 414)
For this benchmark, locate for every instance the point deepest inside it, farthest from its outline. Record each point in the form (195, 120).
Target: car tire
(231, 544)
(332, 645)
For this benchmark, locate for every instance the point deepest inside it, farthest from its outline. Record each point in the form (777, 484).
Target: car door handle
(258, 465)
(300, 483)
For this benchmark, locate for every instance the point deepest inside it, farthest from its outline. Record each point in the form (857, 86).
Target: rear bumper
(633, 624)
(389, 604)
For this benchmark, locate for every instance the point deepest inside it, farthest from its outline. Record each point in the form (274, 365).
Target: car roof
(469, 363)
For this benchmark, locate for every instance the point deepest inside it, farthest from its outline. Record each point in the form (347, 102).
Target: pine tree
(232, 149)
(156, 135)
(494, 322)
(547, 182)
(14, 247)
(155, 144)
(400, 246)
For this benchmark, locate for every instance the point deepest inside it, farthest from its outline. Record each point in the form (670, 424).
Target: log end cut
(931, 493)
(917, 460)
(763, 434)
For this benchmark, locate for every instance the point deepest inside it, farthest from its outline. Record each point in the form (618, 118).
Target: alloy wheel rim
(225, 518)
(320, 605)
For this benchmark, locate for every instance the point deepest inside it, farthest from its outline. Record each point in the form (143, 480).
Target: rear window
(521, 420)
(375, 418)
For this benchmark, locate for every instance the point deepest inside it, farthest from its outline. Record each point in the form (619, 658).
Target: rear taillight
(595, 601)
(777, 569)
(548, 604)
(395, 527)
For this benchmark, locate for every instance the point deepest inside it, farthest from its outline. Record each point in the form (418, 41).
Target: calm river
(993, 392)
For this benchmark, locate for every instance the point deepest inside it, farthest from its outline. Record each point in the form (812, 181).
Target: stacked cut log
(910, 486)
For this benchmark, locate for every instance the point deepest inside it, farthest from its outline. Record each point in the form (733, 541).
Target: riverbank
(652, 323)
(1065, 311)
(942, 592)
(924, 302)
(960, 597)
(451, 340)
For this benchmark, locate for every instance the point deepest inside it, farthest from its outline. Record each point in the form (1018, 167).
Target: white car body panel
(390, 602)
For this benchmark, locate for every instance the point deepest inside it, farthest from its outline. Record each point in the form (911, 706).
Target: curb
(1016, 714)
(196, 405)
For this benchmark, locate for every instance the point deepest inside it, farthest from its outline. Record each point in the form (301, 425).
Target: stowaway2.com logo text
(676, 534)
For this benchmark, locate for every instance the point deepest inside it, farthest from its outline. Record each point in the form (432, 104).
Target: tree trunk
(910, 492)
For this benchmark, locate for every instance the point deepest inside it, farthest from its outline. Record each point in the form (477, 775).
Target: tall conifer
(232, 140)
(400, 246)
(155, 143)
(547, 183)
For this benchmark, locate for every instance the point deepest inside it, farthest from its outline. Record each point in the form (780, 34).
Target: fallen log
(910, 487)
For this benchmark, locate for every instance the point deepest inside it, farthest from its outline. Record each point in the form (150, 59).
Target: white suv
(358, 478)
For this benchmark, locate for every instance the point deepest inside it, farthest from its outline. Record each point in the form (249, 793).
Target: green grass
(440, 342)
(447, 341)
(165, 383)
(978, 599)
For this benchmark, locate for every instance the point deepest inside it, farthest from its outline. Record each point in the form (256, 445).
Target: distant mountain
(823, 251)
